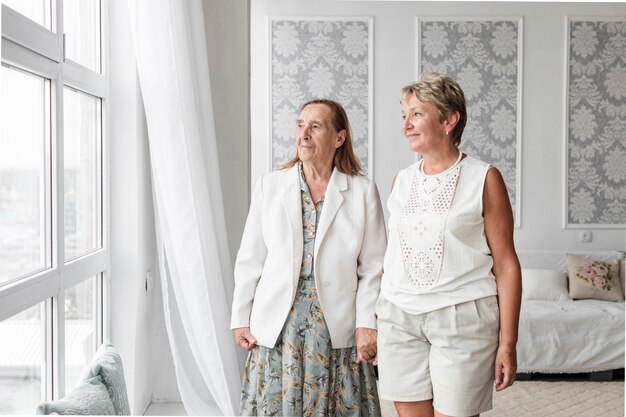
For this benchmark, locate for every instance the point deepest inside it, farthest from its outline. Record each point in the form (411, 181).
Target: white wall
(227, 31)
(543, 148)
(132, 222)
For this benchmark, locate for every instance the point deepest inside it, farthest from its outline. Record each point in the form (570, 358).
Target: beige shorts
(447, 355)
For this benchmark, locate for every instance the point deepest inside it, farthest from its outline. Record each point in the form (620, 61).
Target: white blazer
(348, 256)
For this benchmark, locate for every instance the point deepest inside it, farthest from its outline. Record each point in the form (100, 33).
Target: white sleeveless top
(437, 254)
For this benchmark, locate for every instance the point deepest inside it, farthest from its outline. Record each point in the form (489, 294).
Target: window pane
(80, 329)
(82, 179)
(24, 187)
(36, 10)
(22, 361)
(81, 24)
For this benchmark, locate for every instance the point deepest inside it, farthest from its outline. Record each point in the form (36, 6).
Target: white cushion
(544, 284)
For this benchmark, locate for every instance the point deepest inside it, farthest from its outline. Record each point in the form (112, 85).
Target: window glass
(22, 361)
(81, 25)
(36, 10)
(24, 178)
(80, 329)
(82, 179)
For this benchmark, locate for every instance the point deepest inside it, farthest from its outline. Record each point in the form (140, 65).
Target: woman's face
(422, 126)
(316, 137)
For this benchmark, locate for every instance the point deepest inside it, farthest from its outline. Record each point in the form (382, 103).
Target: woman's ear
(451, 120)
(341, 138)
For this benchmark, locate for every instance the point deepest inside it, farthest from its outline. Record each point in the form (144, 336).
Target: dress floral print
(302, 375)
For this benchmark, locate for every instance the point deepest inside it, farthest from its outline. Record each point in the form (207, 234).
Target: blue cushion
(90, 397)
(108, 365)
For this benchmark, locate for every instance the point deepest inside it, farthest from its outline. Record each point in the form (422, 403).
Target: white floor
(165, 409)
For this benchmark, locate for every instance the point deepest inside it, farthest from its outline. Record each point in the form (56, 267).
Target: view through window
(53, 248)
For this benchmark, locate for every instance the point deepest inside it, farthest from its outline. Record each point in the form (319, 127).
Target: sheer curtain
(195, 269)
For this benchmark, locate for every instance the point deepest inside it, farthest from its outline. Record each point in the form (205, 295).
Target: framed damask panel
(320, 58)
(595, 122)
(484, 55)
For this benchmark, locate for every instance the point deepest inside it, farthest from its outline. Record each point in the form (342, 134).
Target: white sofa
(560, 335)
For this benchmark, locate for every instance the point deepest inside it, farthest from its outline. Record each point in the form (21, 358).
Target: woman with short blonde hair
(449, 306)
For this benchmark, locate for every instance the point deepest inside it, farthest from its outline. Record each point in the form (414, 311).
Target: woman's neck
(437, 162)
(317, 178)
(317, 172)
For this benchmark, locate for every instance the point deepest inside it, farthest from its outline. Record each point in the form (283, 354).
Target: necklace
(430, 183)
(450, 168)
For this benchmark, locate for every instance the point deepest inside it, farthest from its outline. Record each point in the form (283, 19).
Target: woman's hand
(365, 344)
(244, 338)
(506, 367)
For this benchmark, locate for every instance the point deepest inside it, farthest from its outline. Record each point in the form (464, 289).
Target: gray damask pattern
(482, 56)
(319, 59)
(596, 132)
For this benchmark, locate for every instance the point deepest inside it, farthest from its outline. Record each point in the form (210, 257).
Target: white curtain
(196, 273)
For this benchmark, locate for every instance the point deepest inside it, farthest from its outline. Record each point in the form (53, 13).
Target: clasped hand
(365, 344)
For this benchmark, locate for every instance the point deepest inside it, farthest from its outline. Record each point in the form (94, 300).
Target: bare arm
(499, 231)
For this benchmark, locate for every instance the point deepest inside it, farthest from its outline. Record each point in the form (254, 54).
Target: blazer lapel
(293, 208)
(332, 202)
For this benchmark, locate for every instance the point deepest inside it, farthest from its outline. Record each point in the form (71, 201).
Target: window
(81, 24)
(54, 250)
(22, 361)
(36, 10)
(24, 173)
(82, 146)
(80, 328)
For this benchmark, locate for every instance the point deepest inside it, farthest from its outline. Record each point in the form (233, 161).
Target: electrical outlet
(149, 281)
(585, 236)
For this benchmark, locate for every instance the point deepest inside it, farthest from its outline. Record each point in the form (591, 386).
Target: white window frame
(28, 46)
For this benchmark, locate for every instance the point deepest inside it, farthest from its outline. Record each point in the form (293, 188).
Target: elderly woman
(307, 278)
(449, 305)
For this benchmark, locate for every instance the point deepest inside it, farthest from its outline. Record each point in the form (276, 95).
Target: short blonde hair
(445, 94)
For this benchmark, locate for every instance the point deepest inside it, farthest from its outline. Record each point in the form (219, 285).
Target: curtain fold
(194, 262)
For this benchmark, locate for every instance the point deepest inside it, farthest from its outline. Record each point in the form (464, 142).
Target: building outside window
(54, 250)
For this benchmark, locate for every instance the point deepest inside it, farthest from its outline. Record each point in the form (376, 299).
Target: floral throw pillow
(594, 278)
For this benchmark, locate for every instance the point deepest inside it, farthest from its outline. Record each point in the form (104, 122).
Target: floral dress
(303, 375)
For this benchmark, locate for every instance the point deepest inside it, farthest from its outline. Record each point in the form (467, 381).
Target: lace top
(421, 225)
(437, 254)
